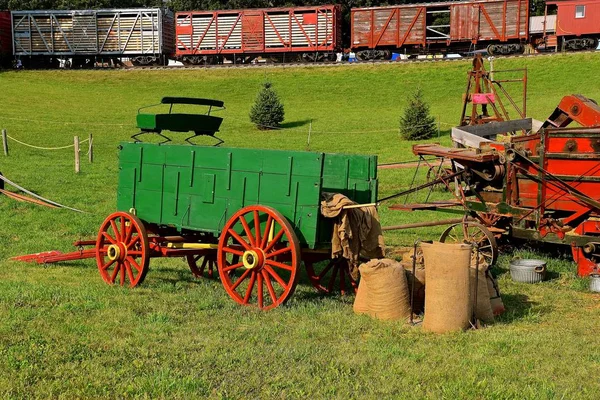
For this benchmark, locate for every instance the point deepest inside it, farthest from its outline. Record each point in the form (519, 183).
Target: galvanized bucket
(527, 270)
(595, 283)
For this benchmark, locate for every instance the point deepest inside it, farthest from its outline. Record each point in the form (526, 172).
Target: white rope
(44, 148)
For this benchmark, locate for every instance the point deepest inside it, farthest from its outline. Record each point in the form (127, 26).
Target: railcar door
(253, 31)
(85, 33)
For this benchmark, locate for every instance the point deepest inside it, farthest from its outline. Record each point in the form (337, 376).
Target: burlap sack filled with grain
(384, 289)
(494, 291)
(419, 280)
(447, 303)
(361, 300)
(483, 307)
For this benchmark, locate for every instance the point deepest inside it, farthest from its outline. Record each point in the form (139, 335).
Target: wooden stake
(76, 145)
(5, 142)
(91, 149)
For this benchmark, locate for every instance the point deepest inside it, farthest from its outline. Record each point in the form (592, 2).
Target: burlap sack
(361, 305)
(386, 288)
(494, 291)
(483, 308)
(419, 294)
(447, 303)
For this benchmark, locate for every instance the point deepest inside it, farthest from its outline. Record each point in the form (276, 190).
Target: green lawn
(64, 333)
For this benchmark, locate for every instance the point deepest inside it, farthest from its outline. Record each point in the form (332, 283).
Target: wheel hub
(252, 259)
(116, 252)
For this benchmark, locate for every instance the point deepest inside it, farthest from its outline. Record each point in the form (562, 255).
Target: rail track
(340, 64)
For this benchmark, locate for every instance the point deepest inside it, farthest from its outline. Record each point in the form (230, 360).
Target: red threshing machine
(541, 182)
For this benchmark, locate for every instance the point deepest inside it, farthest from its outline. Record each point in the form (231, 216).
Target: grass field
(64, 333)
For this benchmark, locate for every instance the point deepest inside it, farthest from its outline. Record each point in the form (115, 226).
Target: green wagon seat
(199, 124)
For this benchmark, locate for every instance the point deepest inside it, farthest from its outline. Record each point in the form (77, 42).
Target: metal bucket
(595, 283)
(527, 270)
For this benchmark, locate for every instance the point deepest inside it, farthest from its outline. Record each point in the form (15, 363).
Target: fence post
(439, 131)
(91, 149)
(5, 142)
(309, 132)
(76, 146)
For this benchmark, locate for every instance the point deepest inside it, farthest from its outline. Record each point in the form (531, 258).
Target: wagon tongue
(50, 257)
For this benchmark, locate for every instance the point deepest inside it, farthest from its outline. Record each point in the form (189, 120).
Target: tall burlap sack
(495, 299)
(387, 289)
(483, 307)
(361, 304)
(447, 302)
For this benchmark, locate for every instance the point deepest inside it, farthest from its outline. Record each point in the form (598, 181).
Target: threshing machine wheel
(266, 271)
(333, 276)
(203, 264)
(473, 233)
(122, 249)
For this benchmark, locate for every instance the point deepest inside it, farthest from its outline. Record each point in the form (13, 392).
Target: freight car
(5, 39)
(284, 34)
(500, 26)
(43, 38)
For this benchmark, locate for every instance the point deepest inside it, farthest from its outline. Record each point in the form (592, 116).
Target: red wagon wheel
(122, 249)
(269, 257)
(473, 233)
(203, 264)
(331, 277)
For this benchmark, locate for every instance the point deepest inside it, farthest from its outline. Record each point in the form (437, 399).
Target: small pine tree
(416, 123)
(267, 111)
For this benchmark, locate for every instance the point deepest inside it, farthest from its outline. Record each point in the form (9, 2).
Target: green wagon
(253, 215)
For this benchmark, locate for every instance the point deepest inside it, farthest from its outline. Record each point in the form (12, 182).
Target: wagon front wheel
(258, 257)
(332, 277)
(122, 250)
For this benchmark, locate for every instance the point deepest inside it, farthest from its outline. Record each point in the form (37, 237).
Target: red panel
(5, 33)
(253, 31)
(568, 25)
(309, 19)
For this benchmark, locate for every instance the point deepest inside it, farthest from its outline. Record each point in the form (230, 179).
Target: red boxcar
(5, 37)
(449, 26)
(578, 24)
(311, 32)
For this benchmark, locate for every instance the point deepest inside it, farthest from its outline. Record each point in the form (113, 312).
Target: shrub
(416, 123)
(267, 111)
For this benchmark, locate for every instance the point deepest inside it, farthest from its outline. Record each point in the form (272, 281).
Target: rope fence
(44, 148)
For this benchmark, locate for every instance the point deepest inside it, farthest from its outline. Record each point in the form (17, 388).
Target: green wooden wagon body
(197, 188)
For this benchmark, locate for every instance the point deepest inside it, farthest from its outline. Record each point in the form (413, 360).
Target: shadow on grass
(296, 124)
(519, 307)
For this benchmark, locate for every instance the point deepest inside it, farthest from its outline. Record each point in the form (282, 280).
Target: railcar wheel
(269, 257)
(203, 264)
(122, 249)
(332, 277)
(473, 233)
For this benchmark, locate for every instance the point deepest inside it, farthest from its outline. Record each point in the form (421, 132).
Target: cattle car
(81, 37)
(300, 33)
(578, 26)
(5, 38)
(500, 26)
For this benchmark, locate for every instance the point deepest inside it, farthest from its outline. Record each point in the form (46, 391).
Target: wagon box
(199, 188)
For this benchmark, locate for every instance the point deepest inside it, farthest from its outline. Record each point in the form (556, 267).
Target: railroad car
(5, 39)
(42, 38)
(577, 26)
(500, 26)
(288, 34)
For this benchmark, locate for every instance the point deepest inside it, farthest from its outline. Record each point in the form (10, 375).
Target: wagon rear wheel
(122, 250)
(265, 273)
(203, 264)
(476, 234)
(331, 277)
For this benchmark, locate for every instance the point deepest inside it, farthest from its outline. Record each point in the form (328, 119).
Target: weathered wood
(76, 146)
(91, 148)
(4, 142)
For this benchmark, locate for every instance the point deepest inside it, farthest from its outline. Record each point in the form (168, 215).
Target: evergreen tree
(416, 123)
(267, 111)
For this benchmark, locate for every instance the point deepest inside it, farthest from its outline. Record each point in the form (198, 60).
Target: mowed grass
(64, 333)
